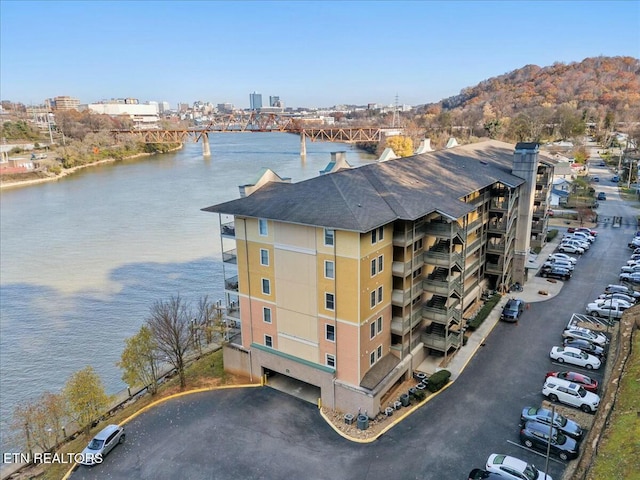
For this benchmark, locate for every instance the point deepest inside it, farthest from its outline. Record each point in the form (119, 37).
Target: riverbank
(68, 171)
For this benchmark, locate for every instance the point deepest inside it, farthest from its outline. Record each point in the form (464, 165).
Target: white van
(563, 391)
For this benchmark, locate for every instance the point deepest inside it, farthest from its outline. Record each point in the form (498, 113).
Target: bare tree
(39, 423)
(170, 326)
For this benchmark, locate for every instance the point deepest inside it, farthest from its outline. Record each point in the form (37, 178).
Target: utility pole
(396, 119)
(546, 462)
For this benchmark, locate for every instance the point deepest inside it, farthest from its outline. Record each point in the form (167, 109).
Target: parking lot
(262, 433)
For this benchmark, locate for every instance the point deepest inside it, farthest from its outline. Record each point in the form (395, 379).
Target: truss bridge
(254, 122)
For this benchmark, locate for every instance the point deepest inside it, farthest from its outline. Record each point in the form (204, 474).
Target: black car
(536, 435)
(585, 346)
(542, 415)
(479, 474)
(512, 310)
(555, 272)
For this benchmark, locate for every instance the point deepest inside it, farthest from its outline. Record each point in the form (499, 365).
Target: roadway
(261, 433)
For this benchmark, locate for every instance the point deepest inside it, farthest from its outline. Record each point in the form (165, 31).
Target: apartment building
(347, 281)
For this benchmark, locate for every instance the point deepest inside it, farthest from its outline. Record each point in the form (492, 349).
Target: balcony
(496, 247)
(476, 244)
(402, 298)
(401, 326)
(442, 258)
(402, 269)
(494, 267)
(439, 284)
(228, 230)
(230, 256)
(444, 229)
(497, 226)
(404, 239)
(441, 343)
(439, 312)
(231, 284)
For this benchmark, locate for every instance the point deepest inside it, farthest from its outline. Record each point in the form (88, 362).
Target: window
(266, 314)
(372, 358)
(263, 229)
(268, 341)
(331, 361)
(373, 299)
(417, 272)
(376, 265)
(377, 235)
(417, 245)
(379, 352)
(266, 286)
(329, 301)
(380, 294)
(330, 332)
(264, 257)
(329, 237)
(376, 327)
(329, 269)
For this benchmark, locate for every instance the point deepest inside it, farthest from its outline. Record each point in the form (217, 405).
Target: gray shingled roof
(361, 199)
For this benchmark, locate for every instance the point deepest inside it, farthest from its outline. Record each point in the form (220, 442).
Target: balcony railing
(442, 314)
(231, 283)
(444, 229)
(400, 326)
(228, 229)
(443, 259)
(497, 247)
(444, 287)
(230, 256)
(404, 239)
(402, 298)
(440, 343)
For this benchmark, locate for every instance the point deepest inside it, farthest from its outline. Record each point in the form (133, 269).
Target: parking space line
(537, 453)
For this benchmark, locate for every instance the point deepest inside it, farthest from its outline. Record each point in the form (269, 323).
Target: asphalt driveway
(260, 433)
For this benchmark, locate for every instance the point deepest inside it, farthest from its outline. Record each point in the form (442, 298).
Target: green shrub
(551, 234)
(438, 380)
(484, 312)
(419, 395)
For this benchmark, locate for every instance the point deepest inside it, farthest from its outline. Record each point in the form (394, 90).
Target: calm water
(83, 258)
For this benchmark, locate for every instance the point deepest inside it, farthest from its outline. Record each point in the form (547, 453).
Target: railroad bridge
(256, 122)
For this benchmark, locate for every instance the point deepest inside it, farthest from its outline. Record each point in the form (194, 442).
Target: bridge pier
(303, 145)
(206, 149)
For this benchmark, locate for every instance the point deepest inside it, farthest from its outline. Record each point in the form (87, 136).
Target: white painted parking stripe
(536, 452)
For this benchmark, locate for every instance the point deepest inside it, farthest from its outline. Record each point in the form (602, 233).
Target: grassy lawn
(619, 454)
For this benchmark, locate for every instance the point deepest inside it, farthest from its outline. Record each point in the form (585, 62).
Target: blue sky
(309, 53)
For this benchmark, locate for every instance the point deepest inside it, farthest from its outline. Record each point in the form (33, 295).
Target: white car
(564, 257)
(584, 236)
(559, 263)
(613, 301)
(630, 268)
(570, 248)
(580, 242)
(607, 310)
(618, 296)
(574, 356)
(558, 390)
(585, 334)
(514, 468)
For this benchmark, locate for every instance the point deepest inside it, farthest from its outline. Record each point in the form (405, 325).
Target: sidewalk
(530, 293)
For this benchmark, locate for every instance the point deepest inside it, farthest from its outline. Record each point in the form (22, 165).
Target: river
(83, 258)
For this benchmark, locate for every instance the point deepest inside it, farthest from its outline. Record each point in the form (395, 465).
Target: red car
(587, 383)
(593, 233)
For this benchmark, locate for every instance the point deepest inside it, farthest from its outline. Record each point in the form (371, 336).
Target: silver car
(102, 443)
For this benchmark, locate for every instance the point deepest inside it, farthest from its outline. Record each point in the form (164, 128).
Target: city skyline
(310, 54)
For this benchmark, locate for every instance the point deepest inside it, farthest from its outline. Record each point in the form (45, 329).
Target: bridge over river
(256, 122)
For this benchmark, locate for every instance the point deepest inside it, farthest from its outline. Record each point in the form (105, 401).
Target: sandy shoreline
(69, 171)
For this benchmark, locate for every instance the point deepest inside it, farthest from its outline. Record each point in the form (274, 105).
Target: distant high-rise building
(274, 101)
(164, 107)
(255, 101)
(225, 107)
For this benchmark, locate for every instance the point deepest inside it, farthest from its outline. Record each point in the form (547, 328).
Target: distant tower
(274, 101)
(396, 117)
(255, 101)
